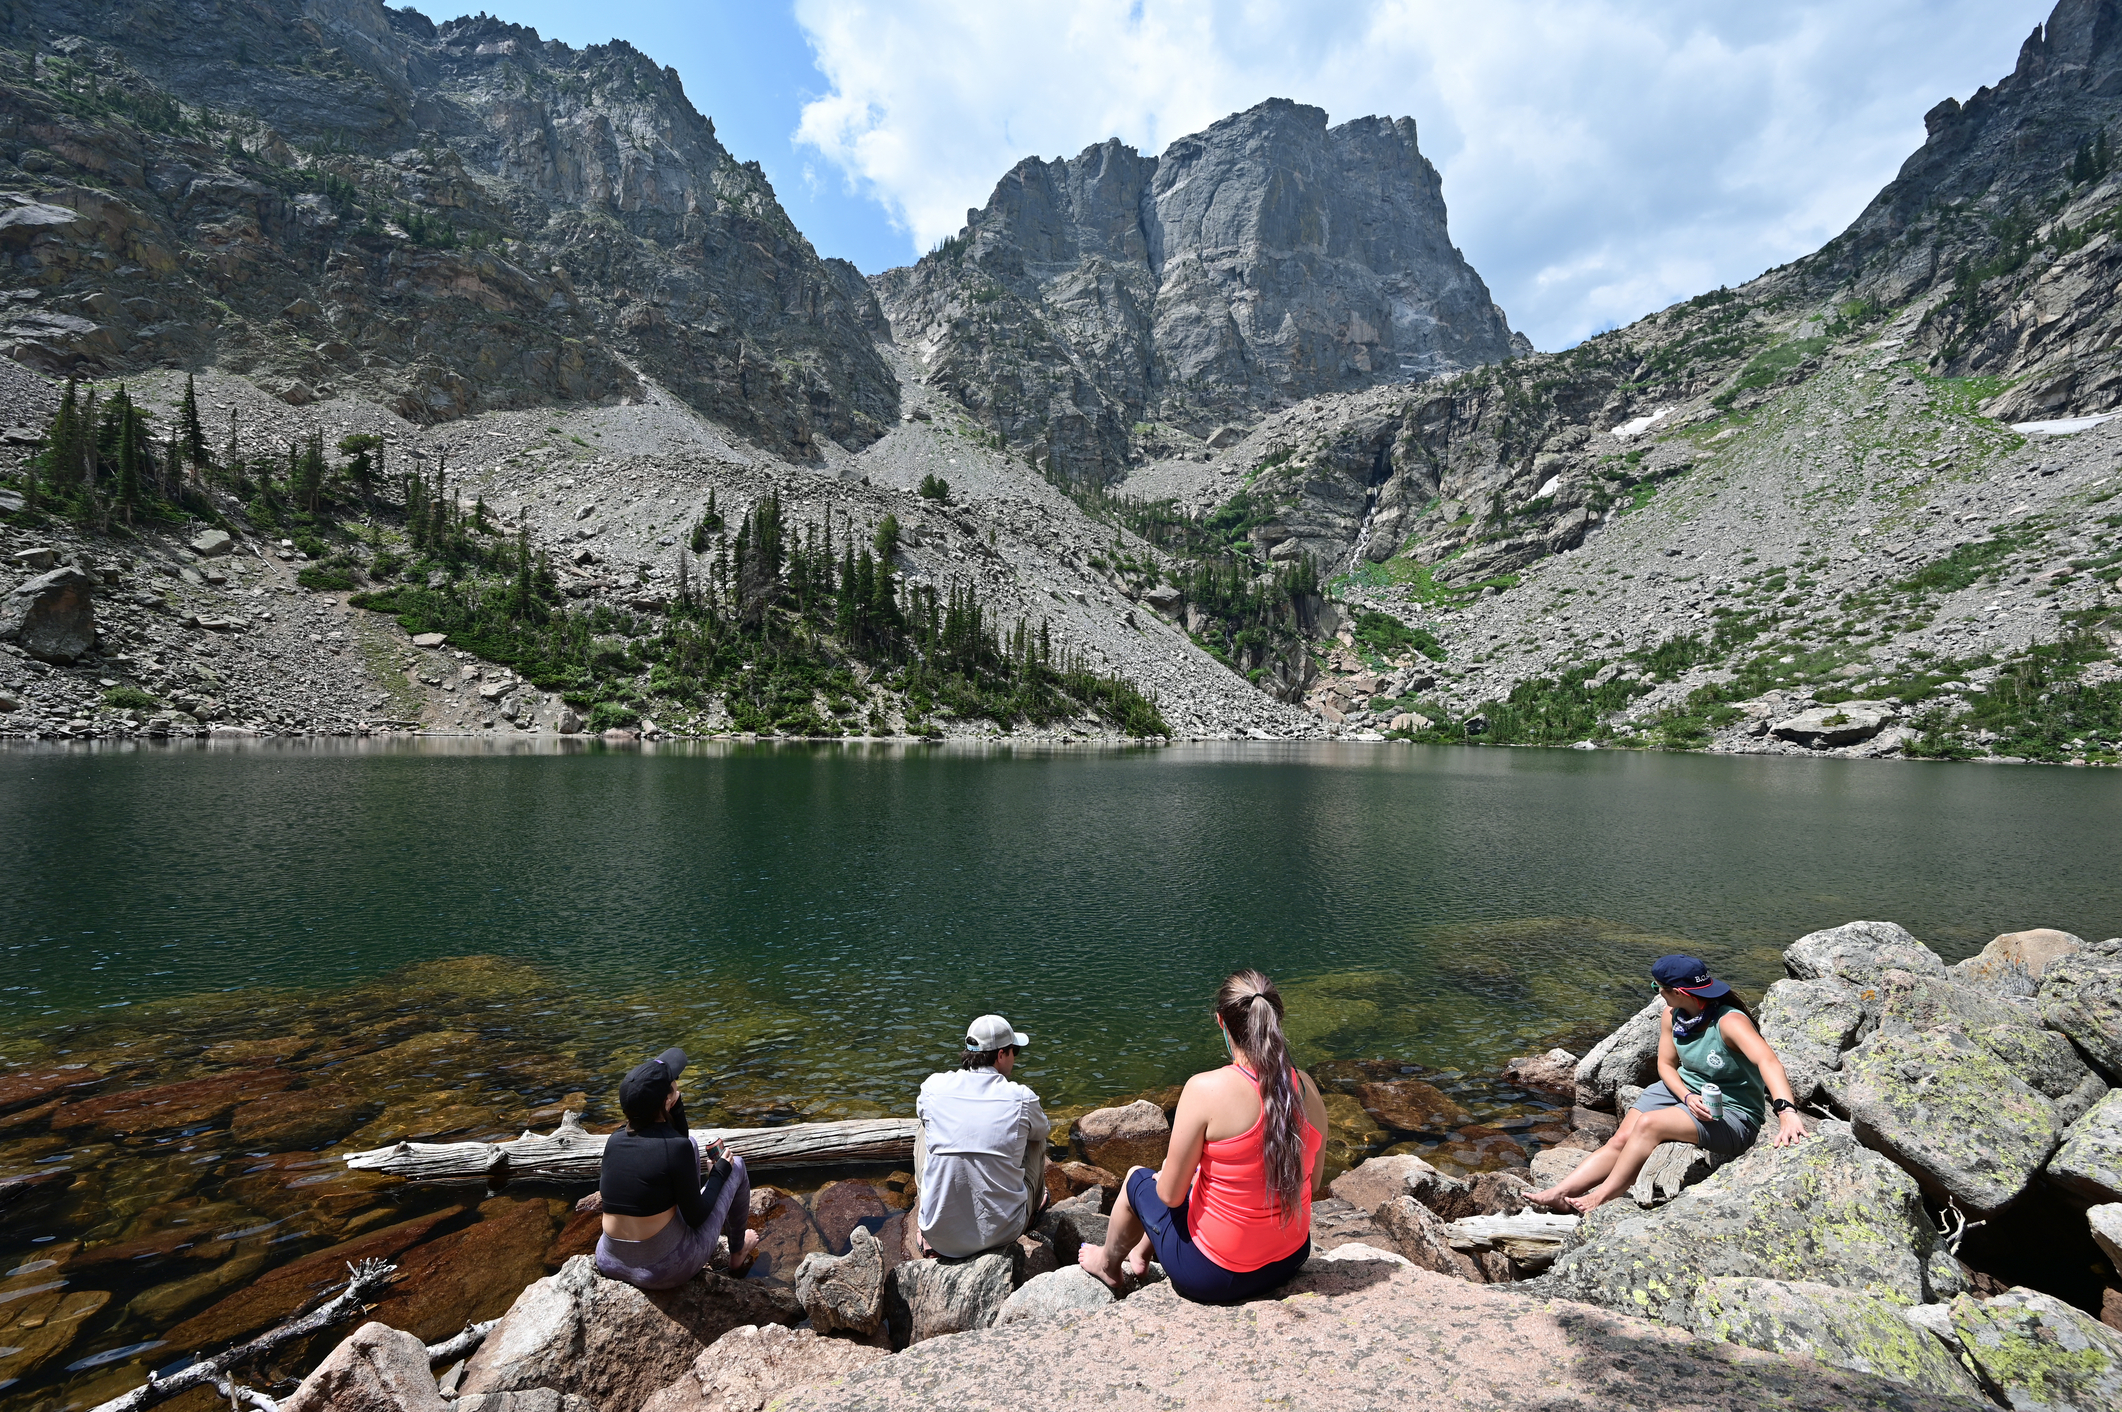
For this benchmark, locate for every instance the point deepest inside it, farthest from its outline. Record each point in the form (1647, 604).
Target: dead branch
(363, 1281)
(460, 1345)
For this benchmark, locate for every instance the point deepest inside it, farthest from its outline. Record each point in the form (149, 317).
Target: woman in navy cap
(1707, 1040)
(666, 1195)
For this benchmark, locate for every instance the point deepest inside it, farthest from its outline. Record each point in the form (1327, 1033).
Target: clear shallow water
(823, 919)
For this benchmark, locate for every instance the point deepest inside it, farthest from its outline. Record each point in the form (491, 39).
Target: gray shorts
(1727, 1137)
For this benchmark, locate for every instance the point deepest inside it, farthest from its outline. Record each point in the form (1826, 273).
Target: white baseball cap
(993, 1032)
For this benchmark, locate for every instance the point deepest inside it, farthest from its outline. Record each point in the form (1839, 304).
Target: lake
(305, 948)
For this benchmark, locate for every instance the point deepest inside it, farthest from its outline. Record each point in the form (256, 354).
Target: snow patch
(2063, 426)
(1640, 425)
(1554, 483)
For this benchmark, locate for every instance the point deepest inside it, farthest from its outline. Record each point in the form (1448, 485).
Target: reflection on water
(222, 966)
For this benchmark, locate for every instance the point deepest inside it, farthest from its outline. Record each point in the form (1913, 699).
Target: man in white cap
(980, 1152)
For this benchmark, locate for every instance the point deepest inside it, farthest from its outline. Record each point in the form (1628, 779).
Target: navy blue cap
(1688, 973)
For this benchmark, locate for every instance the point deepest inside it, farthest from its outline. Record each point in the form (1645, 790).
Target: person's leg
(735, 1209)
(1127, 1241)
(1592, 1170)
(1654, 1128)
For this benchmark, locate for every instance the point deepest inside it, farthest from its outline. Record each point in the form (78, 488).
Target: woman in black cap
(1707, 1040)
(666, 1195)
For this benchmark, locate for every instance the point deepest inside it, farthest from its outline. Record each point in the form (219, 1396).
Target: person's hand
(1697, 1106)
(1791, 1130)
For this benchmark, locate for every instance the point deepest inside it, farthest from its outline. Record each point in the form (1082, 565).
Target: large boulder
(1371, 1184)
(1626, 1058)
(844, 1292)
(926, 1299)
(1132, 1135)
(748, 1368)
(1826, 1210)
(2090, 1160)
(1352, 1332)
(374, 1369)
(2081, 995)
(1911, 1004)
(1952, 1113)
(1842, 1328)
(1829, 727)
(2014, 963)
(1809, 1024)
(1858, 954)
(2037, 1354)
(51, 616)
(1554, 1072)
(577, 1332)
(1055, 1295)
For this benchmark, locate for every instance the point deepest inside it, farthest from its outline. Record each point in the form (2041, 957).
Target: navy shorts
(1727, 1137)
(1190, 1270)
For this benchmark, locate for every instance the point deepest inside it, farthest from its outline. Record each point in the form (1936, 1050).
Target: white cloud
(1601, 158)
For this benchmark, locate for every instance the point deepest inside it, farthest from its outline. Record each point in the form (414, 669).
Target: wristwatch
(1781, 1105)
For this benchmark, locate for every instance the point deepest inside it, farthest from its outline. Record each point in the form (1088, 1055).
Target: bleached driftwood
(569, 1153)
(363, 1282)
(460, 1345)
(1532, 1239)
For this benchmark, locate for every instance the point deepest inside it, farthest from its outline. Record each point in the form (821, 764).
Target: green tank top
(1707, 1059)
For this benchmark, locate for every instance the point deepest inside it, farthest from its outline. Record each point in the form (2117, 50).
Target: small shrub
(613, 715)
(130, 698)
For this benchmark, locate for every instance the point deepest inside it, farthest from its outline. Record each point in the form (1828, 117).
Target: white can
(1713, 1096)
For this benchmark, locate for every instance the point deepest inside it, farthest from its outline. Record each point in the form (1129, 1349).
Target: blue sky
(1601, 158)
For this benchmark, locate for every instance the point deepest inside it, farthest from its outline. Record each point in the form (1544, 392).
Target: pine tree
(63, 443)
(130, 452)
(194, 434)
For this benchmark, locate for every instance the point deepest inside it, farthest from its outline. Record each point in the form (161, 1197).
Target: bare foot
(1585, 1204)
(751, 1252)
(1094, 1259)
(1550, 1200)
(1137, 1261)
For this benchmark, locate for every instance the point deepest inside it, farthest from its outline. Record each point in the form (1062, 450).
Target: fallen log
(1531, 1238)
(568, 1153)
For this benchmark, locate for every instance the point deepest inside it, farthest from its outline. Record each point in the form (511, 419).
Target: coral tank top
(1230, 1215)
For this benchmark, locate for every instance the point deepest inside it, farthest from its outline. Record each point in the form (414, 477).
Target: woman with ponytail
(1229, 1216)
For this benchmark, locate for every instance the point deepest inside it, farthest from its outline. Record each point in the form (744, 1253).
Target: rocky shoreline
(1957, 1111)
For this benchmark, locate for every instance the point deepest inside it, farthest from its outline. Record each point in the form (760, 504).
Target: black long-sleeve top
(647, 1173)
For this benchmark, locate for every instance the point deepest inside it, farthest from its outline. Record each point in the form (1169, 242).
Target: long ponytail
(1251, 1010)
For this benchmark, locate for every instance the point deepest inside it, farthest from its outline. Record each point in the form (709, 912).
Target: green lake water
(821, 921)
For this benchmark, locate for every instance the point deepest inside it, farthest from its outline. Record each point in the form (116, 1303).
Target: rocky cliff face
(455, 218)
(1114, 303)
(1993, 256)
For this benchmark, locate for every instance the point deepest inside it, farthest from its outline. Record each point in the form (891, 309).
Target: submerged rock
(471, 1275)
(1827, 1210)
(376, 1369)
(1410, 1105)
(749, 1368)
(1842, 1328)
(577, 1332)
(166, 1107)
(2037, 1354)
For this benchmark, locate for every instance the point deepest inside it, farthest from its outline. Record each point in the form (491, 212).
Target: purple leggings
(676, 1253)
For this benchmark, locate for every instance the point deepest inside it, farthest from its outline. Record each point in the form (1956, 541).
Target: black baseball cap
(642, 1091)
(1688, 973)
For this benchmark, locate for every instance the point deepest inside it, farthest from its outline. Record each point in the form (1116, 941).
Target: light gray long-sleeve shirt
(983, 1159)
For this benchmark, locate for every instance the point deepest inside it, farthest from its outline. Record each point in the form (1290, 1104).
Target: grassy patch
(130, 698)
(1389, 637)
(1771, 365)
